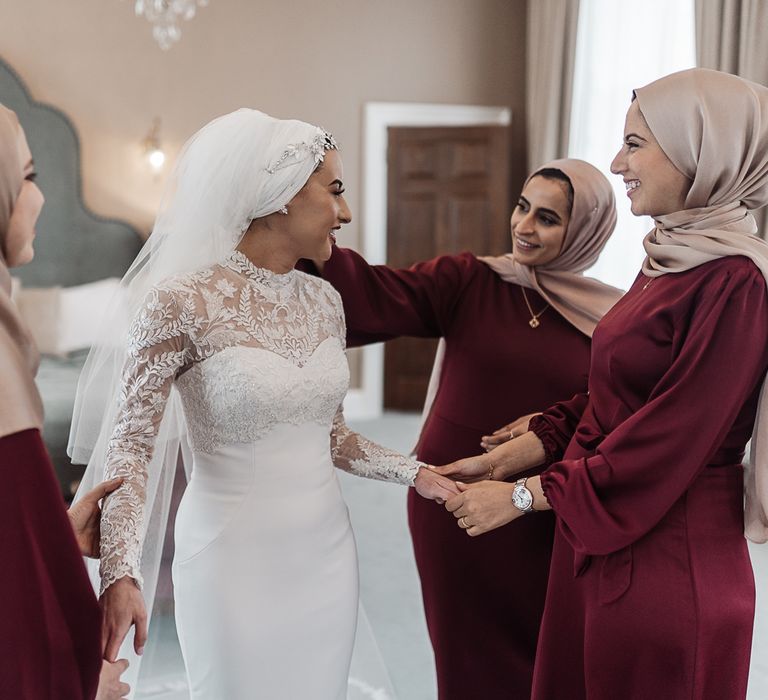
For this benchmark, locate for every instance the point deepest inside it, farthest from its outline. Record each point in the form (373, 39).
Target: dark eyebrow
(542, 210)
(551, 212)
(635, 136)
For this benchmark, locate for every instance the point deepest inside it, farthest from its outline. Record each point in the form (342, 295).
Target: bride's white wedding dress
(265, 570)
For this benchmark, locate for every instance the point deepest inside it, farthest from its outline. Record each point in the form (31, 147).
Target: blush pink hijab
(713, 126)
(20, 405)
(581, 300)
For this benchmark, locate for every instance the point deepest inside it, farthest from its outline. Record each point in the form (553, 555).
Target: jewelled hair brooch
(296, 152)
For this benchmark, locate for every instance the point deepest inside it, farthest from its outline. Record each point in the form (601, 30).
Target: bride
(233, 352)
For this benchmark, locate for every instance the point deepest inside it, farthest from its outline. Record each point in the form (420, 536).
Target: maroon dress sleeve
(556, 426)
(613, 497)
(50, 646)
(381, 303)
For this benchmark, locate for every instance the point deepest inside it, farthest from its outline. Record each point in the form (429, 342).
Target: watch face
(522, 498)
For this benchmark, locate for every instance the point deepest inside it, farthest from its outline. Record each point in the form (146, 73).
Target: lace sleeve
(353, 453)
(156, 351)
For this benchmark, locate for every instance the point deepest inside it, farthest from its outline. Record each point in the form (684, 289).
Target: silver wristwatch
(522, 498)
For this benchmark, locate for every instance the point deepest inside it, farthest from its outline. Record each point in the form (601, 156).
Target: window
(621, 46)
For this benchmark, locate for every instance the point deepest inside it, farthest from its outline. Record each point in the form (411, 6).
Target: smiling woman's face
(654, 185)
(318, 211)
(18, 244)
(539, 221)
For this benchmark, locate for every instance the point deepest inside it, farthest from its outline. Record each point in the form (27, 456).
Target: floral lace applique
(354, 453)
(248, 349)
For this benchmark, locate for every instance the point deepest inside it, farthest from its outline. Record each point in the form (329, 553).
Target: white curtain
(551, 42)
(621, 46)
(732, 35)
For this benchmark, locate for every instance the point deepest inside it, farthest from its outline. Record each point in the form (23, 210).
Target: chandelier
(165, 16)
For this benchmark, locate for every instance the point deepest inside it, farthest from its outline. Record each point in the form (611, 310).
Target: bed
(73, 247)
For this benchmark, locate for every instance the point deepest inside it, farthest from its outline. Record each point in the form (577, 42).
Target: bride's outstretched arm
(156, 352)
(356, 454)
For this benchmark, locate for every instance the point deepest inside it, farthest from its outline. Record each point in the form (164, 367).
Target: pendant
(534, 322)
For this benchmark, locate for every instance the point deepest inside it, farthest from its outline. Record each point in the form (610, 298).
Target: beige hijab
(581, 300)
(714, 128)
(20, 405)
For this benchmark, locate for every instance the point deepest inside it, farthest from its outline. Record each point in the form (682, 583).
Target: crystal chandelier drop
(165, 16)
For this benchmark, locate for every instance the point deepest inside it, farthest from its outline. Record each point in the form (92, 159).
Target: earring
(283, 209)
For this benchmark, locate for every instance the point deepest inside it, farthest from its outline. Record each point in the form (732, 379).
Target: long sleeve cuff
(545, 432)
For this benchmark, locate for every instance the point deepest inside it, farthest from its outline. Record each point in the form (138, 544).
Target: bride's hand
(430, 485)
(122, 605)
(506, 432)
(470, 469)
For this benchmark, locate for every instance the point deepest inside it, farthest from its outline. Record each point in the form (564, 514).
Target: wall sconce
(153, 150)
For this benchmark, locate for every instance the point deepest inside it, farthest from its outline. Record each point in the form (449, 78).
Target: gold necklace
(534, 322)
(645, 286)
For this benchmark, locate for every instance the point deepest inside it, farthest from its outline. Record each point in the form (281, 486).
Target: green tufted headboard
(73, 245)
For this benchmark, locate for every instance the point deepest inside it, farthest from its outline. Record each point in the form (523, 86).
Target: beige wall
(317, 61)
(307, 59)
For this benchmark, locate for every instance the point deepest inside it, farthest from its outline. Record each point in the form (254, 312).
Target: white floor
(390, 587)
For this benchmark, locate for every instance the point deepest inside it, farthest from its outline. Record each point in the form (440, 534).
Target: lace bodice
(248, 349)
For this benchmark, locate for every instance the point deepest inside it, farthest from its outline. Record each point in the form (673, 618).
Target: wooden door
(448, 192)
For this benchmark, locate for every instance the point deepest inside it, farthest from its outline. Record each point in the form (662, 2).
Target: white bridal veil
(237, 168)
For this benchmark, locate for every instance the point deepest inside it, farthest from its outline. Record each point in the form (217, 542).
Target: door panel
(448, 191)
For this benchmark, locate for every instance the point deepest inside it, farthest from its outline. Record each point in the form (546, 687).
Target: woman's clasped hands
(481, 504)
(484, 500)
(507, 432)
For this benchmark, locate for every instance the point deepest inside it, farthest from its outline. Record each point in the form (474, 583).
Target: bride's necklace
(534, 322)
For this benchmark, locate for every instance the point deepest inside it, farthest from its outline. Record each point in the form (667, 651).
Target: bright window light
(621, 46)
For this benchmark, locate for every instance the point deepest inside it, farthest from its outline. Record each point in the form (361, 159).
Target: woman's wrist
(540, 501)
(126, 580)
(515, 456)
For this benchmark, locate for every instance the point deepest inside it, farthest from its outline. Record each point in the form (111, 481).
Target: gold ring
(463, 522)
(490, 472)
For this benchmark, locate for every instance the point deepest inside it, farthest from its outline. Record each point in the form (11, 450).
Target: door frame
(368, 400)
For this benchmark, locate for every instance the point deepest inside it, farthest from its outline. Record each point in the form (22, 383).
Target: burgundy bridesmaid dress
(50, 645)
(651, 592)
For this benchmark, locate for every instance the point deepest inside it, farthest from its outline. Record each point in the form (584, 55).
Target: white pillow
(65, 319)
(81, 312)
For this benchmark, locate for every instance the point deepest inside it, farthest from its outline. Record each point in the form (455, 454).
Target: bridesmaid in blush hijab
(651, 591)
(50, 637)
